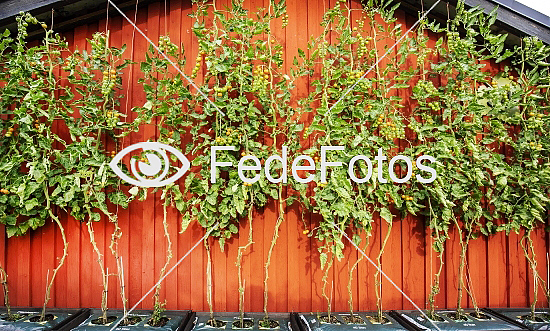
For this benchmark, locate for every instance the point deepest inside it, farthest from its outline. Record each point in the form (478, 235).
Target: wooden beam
(68, 14)
(11, 8)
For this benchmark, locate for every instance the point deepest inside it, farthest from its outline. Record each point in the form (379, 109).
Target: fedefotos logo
(154, 165)
(150, 170)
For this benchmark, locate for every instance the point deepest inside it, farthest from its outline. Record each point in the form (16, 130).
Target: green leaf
(31, 204)
(323, 257)
(386, 214)
(12, 231)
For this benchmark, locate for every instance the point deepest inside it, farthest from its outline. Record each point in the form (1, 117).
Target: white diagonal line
(385, 276)
(383, 56)
(166, 275)
(167, 59)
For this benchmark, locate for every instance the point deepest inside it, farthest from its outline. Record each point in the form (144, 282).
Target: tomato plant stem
(104, 276)
(4, 281)
(278, 223)
(157, 304)
(241, 250)
(378, 276)
(209, 279)
(529, 252)
(350, 276)
(61, 260)
(328, 267)
(115, 236)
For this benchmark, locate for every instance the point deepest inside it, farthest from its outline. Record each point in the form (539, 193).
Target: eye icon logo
(151, 169)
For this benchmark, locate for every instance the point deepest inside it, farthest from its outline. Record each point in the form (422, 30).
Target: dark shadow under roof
(514, 18)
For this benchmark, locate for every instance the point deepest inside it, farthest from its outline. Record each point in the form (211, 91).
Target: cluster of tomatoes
(165, 45)
(362, 48)
(230, 137)
(260, 79)
(198, 63)
(4, 191)
(427, 89)
(389, 128)
(534, 120)
(112, 154)
(109, 80)
(221, 90)
(435, 106)
(24, 19)
(355, 76)
(98, 45)
(112, 118)
(534, 145)
(285, 20)
(9, 132)
(453, 40)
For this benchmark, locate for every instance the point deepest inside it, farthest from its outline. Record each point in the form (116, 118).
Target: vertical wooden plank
(198, 271)
(292, 222)
(114, 297)
(11, 270)
(354, 254)
(441, 299)
(391, 255)
(72, 226)
(60, 286)
(173, 30)
(98, 227)
(59, 290)
(280, 266)
(153, 253)
(318, 302)
(35, 272)
(78, 236)
(517, 268)
(198, 257)
(49, 260)
(240, 241)
(496, 271)
(219, 274)
(140, 269)
(391, 265)
(298, 272)
(156, 28)
(3, 259)
(21, 272)
(452, 251)
(185, 239)
(476, 271)
(413, 233)
(23, 256)
(538, 236)
(125, 216)
(256, 260)
(496, 248)
(231, 279)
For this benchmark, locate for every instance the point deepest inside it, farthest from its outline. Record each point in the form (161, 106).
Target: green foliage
(240, 63)
(42, 169)
(488, 131)
(461, 113)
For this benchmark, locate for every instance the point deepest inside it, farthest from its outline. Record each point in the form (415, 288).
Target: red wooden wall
(497, 268)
